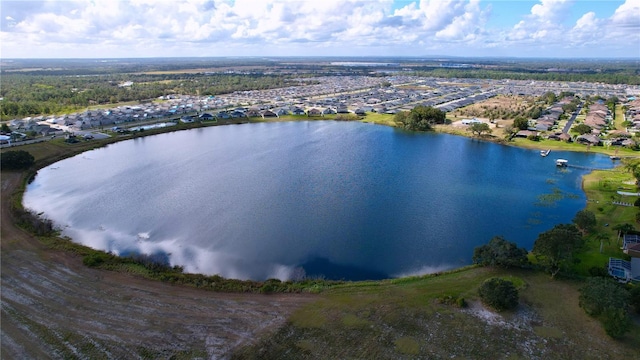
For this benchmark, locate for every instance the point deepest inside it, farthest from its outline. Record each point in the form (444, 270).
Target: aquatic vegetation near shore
(551, 200)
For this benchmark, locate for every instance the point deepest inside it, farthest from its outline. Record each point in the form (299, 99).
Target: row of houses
(598, 116)
(632, 114)
(329, 94)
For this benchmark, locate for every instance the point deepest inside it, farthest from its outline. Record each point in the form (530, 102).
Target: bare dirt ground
(55, 307)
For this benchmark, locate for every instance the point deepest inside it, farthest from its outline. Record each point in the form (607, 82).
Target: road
(572, 119)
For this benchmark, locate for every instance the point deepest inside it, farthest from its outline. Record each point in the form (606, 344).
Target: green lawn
(601, 188)
(619, 118)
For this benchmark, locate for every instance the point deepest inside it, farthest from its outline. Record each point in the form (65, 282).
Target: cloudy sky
(175, 28)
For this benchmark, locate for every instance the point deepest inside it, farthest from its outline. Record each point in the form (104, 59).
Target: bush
(635, 298)
(94, 259)
(500, 252)
(608, 301)
(499, 294)
(602, 293)
(598, 271)
(458, 301)
(616, 322)
(16, 160)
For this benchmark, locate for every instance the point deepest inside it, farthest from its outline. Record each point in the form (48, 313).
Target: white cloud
(467, 26)
(550, 11)
(291, 27)
(627, 15)
(544, 22)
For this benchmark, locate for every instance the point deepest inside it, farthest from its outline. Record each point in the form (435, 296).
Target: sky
(211, 28)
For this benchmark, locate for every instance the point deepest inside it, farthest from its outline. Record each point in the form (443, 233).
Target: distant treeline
(26, 95)
(627, 76)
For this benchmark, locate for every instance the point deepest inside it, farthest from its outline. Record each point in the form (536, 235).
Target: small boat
(562, 162)
(544, 153)
(615, 156)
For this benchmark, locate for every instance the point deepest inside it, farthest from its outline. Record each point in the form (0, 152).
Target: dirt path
(54, 307)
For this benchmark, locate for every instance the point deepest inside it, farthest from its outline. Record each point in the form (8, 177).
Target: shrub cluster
(607, 301)
(499, 294)
(458, 301)
(16, 160)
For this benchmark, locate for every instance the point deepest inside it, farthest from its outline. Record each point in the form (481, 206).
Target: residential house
(206, 117)
(328, 111)
(298, 111)
(626, 271)
(588, 139)
(268, 114)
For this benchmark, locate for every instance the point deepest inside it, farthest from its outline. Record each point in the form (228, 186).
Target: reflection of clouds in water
(191, 258)
(425, 270)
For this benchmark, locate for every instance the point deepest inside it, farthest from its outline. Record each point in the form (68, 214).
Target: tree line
(614, 76)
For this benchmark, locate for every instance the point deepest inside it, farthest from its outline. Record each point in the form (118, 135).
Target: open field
(502, 107)
(403, 319)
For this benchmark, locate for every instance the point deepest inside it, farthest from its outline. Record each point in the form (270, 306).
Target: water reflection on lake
(333, 199)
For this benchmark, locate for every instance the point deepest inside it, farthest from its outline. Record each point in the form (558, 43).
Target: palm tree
(623, 229)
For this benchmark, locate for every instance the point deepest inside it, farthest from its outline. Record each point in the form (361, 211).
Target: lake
(339, 200)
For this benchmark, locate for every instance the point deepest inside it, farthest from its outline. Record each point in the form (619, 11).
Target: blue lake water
(334, 199)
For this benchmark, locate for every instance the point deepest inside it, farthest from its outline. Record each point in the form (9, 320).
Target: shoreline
(41, 163)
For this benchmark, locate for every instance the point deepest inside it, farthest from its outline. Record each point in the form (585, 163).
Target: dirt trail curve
(54, 307)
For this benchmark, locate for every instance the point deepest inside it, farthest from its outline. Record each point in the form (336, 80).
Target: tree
(521, 123)
(633, 166)
(421, 118)
(16, 160)
(601, 293)
(498, 293)
(554, 248)
(479, 128)
(5, 128)
(401, 117)
(585, 220)
(611, 101)
(616, 322)
(623, 229)
(500, 252)
(582, 129)
(570, 107)
(549, 97)
(603, 298)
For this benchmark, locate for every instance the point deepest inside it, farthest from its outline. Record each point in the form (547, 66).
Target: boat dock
(565, 163)
(584, 167)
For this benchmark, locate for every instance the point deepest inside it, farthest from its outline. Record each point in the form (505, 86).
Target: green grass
(619, 119)
(404, 320)
(601, 188)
